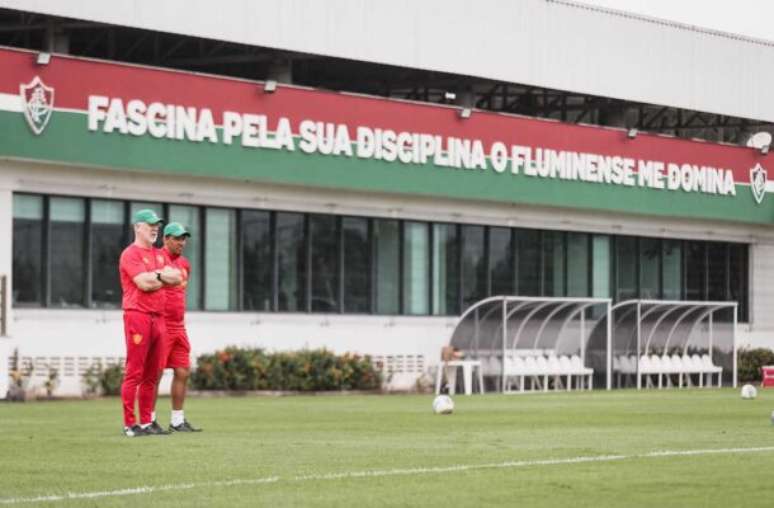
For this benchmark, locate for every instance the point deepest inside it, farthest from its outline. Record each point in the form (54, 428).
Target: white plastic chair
(658, 368)
(514, 368)
(710, 368)
(678, 368)
(543, 370)
(645, 369)
(582, 371)
(533, 371)
(556, 370)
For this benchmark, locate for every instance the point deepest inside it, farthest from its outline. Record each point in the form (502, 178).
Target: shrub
(108, 380)
(306, 370)
(750, 362)
(91, 379)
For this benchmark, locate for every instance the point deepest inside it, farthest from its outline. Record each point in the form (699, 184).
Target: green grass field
(577, 449)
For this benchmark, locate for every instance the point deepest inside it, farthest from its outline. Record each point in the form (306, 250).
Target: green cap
(147, 216)
(175, 229)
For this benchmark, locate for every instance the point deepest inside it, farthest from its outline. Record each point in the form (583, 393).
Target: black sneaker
(135, 431)
(184, 427)
(154, 429)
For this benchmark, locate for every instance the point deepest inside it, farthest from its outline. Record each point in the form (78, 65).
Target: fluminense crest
(38, 101)
(758, 180)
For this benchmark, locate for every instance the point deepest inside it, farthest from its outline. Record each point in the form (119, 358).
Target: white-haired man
(144, 271)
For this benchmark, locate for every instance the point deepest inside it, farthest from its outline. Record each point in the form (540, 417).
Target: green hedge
(750, 362)
(106, 381)
(307, 370)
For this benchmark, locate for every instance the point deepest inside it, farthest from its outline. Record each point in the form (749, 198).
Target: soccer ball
(443, 405)
(749, 392)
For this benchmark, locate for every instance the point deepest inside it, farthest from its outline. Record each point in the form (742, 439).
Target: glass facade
(107, 239)
(528, 261)
(28, 248)
(553, 264)
(386, 258)
(257, 260)
(502, 270)
(291, 262)
(65, 255)
(415, 264)
(356, 264)
(649, 263)
(325, 247)
(446, 269)
(578, 269)
(220, 259)
(474, 269)
(626, 268)
(601, 266)
(672, 269)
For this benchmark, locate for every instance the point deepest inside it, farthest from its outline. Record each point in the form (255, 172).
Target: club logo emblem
(38, 102)
(137, 338)
(758, 179)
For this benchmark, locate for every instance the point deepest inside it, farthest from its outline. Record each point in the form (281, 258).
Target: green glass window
(220, 259)
(416, 264)
(387, 262)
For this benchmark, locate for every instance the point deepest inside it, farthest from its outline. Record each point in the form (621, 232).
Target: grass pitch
(576, 449)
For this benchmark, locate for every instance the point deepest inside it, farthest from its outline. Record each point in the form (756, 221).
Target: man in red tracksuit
(144, 271)
(177, 353)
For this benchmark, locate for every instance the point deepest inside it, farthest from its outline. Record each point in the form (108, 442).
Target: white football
(749, 392)
(443, 405)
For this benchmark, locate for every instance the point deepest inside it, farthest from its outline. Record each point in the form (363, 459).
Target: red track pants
(144, 335)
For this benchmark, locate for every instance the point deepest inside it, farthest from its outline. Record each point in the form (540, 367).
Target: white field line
(378, 473)
(136, 490)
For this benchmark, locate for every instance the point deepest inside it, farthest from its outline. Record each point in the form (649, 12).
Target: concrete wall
(72, 341)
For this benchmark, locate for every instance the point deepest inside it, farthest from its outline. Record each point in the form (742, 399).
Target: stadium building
(356, 174)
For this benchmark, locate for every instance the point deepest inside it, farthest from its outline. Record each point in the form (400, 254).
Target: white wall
(549, 43)
(73, 340)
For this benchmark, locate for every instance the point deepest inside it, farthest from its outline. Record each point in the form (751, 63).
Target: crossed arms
(155, 280)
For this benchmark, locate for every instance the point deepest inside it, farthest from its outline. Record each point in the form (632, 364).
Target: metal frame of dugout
(545, 343)
(674, 342)
(539, 343)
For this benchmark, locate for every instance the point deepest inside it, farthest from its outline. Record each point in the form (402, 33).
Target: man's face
(175, 244)
(146, 233)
